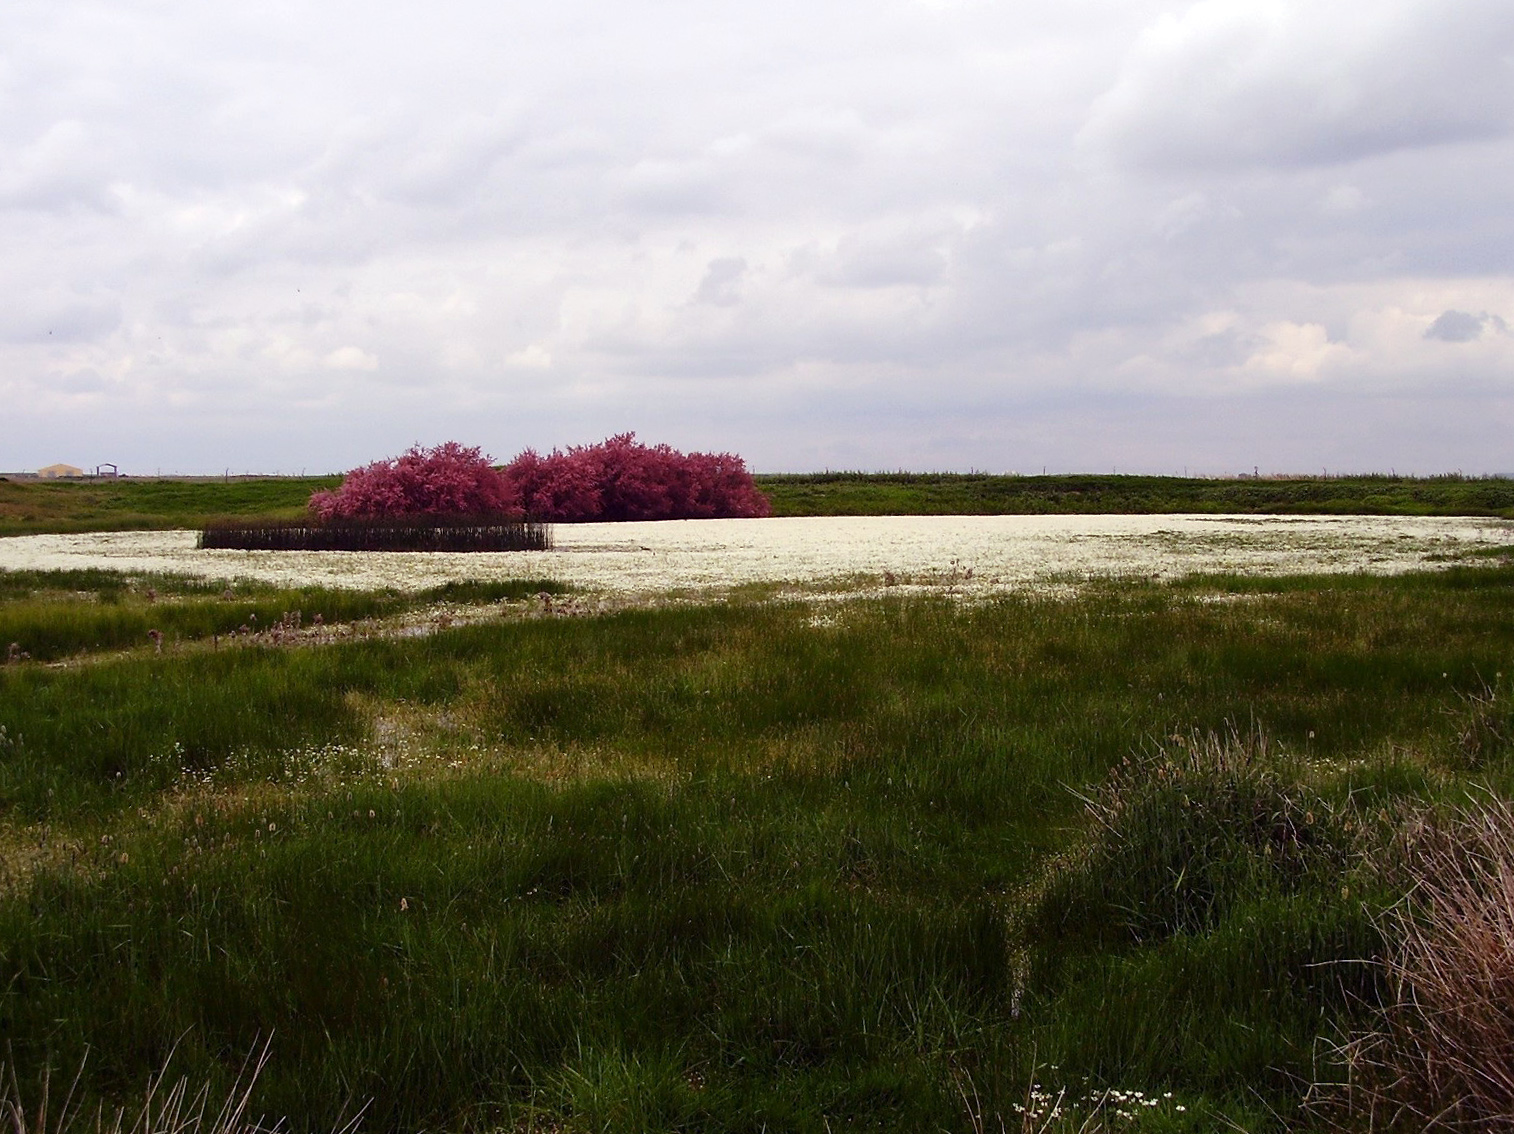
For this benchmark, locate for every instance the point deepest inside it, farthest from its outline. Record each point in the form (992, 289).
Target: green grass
(59, 614)
(722, 868)
(106, 505)
(883, 494)
(28, 506)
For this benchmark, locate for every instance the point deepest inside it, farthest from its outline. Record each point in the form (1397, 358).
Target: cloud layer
(921, 233)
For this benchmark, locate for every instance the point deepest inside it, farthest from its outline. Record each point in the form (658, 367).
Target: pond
(968, 554)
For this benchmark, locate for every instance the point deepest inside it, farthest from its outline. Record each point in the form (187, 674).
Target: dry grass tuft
(1443, 1055)
(26, 851)
(1487, 729)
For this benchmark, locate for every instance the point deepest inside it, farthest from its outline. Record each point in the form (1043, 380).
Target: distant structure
(56, 472)
(107, 469)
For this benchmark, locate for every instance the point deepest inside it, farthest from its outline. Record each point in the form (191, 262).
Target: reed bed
(411, 533)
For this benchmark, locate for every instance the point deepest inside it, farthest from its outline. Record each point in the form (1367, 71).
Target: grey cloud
(58, 316)
(868, 260)
(1463, 327)
(446, 167)
(721, 286)
(1296, 84)
(826, 133)
(673, 188)
(81, 382)
(61, 169)
(1220, 349)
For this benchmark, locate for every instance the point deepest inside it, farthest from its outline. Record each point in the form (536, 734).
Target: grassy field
(896, 864)
(106, 505)
(884, 494)
(125, 504)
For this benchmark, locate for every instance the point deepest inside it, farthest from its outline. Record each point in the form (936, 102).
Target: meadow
(1119, 855)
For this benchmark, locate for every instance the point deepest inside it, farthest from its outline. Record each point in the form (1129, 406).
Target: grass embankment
(118, 505)
(746, 867)
(125, 504)
(883, 494)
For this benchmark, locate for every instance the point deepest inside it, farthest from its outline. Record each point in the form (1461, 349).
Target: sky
(1071, 235)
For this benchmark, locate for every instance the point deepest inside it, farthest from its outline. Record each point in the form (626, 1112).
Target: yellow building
(53, 472)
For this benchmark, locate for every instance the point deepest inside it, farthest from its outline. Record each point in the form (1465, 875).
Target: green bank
(881, 494)
(132, 503)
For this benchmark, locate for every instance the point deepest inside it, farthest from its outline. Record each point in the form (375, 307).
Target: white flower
(926, 552)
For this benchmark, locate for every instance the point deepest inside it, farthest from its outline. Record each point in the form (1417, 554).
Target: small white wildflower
(1009, 551)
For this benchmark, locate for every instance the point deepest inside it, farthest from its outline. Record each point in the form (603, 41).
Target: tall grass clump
(1217, 911)
(1181, 835)
(1486, 737)
(1442, 1056)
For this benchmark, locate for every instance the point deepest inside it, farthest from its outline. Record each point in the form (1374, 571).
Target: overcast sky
(923, 234)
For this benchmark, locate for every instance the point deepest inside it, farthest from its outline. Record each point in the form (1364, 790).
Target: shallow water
(715, 555)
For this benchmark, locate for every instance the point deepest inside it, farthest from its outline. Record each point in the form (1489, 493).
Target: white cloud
(533, 357)
(1296, 351)
(1343, 200)
(350, 358)
(833, 232)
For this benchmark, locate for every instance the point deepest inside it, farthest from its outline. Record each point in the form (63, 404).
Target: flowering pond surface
(971, 554)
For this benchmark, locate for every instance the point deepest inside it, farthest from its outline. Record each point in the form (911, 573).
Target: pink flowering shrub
(618, 479)
(449, 480)
(622, 479)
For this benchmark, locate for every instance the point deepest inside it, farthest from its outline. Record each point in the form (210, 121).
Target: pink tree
(449, 480)
(559, 486)
(622, 479)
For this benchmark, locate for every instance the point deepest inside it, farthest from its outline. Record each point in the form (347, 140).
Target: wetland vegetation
(1120, 857)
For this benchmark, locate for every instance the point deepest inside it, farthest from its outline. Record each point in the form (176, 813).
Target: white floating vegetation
(957, 554)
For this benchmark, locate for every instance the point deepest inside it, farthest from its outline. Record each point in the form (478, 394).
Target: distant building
(53, 472)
